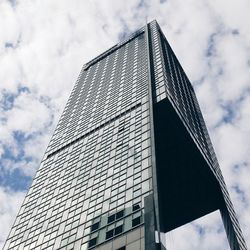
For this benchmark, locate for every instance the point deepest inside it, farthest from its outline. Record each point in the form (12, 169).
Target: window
(120, 129)
(136, 207)
(116, 216)
(119, 214)
(109, 234)
(118, 229)
(119, 145)
(121, 248)
(95, 226)
(112, 232)
(136, 221)
(92, 242)
(111, 218)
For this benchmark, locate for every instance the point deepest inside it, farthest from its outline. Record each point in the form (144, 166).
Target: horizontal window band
(94, 130)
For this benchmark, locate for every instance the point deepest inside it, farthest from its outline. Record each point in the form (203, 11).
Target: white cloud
(49, 41)
(202, 233)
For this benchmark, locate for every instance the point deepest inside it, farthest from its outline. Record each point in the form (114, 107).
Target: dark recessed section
(192, 189)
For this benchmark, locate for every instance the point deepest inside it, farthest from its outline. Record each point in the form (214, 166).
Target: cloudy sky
(43, 45)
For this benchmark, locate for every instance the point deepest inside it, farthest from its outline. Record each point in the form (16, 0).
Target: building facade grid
(97, 172)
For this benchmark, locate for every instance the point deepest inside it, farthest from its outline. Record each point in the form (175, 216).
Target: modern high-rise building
(130, 158)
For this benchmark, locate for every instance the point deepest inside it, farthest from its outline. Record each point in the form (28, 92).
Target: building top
(115, 47)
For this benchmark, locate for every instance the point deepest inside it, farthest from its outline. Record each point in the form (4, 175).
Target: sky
(44, 44)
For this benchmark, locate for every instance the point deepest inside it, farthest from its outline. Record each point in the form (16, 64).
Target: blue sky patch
(15, 180)
(229, 113)
(199, 229)
(8, 99)
(141, 4)
(240, 193)
(211, 46)
(9, 45)
(13, 3)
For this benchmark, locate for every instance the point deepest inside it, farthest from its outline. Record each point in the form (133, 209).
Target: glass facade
(89, 191)
(96, 170)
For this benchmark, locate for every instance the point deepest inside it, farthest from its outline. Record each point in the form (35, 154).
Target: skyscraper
(129, 158)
